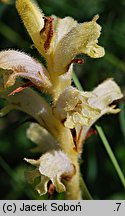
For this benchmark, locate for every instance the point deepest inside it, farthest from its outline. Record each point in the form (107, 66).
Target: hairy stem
(73, 187)
(67, 145)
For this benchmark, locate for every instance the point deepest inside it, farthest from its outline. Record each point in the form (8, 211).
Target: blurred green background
(96, 167)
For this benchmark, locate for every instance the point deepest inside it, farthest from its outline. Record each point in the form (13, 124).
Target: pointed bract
(33, 19)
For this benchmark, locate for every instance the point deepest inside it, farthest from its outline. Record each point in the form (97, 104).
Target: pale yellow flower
(79, 110)
(42, 138)
(53, 166)
(14, 64)
(59, 41)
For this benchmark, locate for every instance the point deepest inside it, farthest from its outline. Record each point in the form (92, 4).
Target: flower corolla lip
(79, 110)
(60, 40)
(53, 166)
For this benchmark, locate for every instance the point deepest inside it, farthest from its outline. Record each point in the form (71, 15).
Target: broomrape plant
(61, 128)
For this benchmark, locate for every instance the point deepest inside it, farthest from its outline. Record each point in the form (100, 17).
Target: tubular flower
(53, 166)
(79, 110)
(14, 64)
(58, 40)
(42, 138)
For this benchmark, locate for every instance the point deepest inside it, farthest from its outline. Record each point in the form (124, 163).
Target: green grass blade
(112, 59)
(77, 83)
(85, 193)
(7, 168)
(111, 155)
(122, 118)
